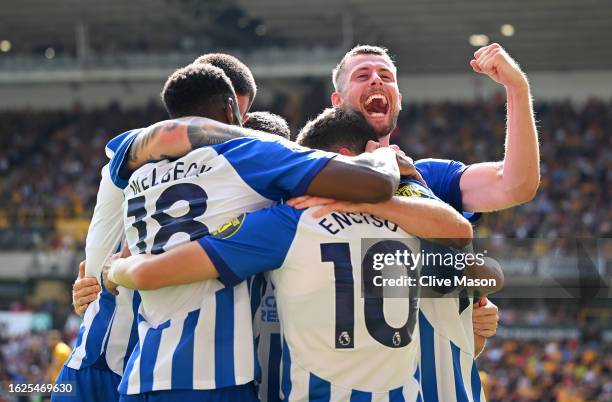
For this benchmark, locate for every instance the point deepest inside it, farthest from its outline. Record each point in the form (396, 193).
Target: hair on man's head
(338, 72)
(336, 128)
(269, 123)
(197, 90)
(240, 75)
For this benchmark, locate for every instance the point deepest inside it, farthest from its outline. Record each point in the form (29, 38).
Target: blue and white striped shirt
(199, 336)
(337, 345)
(448, 365)
(448, 368)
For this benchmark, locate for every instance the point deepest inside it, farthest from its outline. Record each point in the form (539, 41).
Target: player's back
(172, 202)
(341, 339)
(337, 343)
(347, 334)
(202, 332)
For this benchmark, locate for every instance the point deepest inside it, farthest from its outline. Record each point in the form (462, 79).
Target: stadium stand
(554, 350)
(36, 203)
(551, 365)
(519, 367)
(38, 208)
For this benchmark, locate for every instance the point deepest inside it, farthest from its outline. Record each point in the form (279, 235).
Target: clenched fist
(485, 318)
(495, 62)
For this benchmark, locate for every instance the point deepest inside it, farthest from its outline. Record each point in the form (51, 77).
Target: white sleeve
(106, 227)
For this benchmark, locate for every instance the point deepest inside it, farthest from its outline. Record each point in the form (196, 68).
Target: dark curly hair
(269, 123)
(238, 73)
(197, 90)
(336, 128)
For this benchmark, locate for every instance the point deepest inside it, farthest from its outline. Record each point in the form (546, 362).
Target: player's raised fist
(495, 62)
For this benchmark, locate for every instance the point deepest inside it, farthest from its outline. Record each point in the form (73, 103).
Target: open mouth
(376, 105)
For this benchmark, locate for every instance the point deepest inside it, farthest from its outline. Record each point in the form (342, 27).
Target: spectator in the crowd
(516, 369)
(60, 352)
(560, 371)
(50, 163)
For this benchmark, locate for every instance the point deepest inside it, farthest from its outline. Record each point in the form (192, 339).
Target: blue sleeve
(443, 177)
(112, 145)
(276, 169)
(117, 171)
(253, 243)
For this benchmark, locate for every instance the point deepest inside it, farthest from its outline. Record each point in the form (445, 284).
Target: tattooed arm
(377, 172)
(177, 137)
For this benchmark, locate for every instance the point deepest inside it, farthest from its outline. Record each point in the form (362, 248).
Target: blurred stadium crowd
(553, 370)
(515, 370)
(50, 163)
(31, 358)
(546, 367)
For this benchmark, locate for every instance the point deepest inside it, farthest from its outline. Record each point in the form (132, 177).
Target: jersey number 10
(376, 324)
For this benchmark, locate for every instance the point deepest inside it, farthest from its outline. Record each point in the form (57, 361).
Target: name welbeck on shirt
(337, 221)
(178, 171)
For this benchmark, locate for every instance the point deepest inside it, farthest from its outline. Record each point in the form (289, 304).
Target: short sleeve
(245, 247)
(443, 177)
(277, 169)
(112, 145)
(117, 172)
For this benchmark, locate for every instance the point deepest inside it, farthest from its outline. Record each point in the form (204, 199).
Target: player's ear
(400, 100)
(346, 151)
(336, 99)
(232, 113)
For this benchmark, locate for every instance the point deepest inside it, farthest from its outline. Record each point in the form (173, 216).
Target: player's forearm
(182, 265)
(370, 177)
(425, 218)
(521, 166)
(492, 186)
(178, 137)
(124, 271)
(106, 227)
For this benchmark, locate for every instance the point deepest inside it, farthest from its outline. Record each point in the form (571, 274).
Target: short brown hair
(356, 51)
(337, 128)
